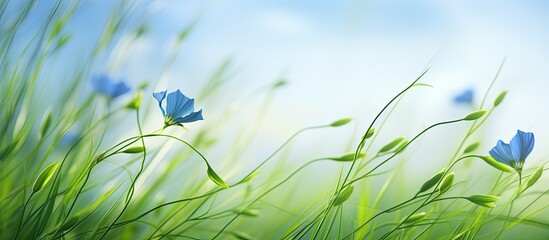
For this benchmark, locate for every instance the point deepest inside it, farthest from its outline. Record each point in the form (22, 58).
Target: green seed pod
(347, 157)
(44, 177)
(447, 183)
(216, 179)
(401, 145)
(474, 115)
(500, 98)
(483, 200)
(534, 177)
(133, 150)
(247, 212)
(432, 181)
(392, 145)
(340, 122)
(344, 195)
(370, 133)
(414, 218)
(135, 103)
(500, 166)
(471, 147)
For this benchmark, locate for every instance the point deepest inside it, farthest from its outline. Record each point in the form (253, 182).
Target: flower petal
(105, 85)
(464, 97)
(502, 153)
(179, 105)
(118, 89)
(192, 117)
(100, 83)
(159, 96)
(522, 144)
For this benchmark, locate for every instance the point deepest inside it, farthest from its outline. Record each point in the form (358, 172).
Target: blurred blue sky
(344, 58)
(347, 58)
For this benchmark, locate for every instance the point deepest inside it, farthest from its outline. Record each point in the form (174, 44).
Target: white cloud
(284, 22)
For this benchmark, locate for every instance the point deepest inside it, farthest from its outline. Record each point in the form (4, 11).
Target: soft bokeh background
(340, 58)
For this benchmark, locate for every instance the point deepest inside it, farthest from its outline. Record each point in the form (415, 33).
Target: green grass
(125, 177)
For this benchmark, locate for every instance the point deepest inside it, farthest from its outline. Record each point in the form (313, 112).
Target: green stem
(265, 193)
(515, 196)
(361, 146)
(400, 150)
(428, 200)
(22, 216)
(392, 209)
(280, 148)
(137, 138)
(130, 193)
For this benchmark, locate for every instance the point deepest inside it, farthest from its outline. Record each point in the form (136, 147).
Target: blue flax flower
(105, 85)
(465, 97)
(514, 153)
(179, 108)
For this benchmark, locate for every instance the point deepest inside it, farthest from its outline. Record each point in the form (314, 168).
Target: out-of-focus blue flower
(179, 108)
(465, 97)
(105, 85)
(514, 153)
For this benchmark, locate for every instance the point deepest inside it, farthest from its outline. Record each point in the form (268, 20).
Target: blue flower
(179, 108)
(105, 85)
(514, 153)
(465, 97)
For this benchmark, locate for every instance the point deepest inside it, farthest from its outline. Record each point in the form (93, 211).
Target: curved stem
(392, 209)
(87, 175)
(435, 199)
(137, 138)
(516, 195)
(267, 192)
(401, 149)
(130, 193)
(361, 146)
(22, 216)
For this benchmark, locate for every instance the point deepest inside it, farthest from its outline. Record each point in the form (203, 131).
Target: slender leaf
(44, 177)
(216, 179)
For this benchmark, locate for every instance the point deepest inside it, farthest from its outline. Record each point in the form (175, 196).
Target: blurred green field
(87, 153)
